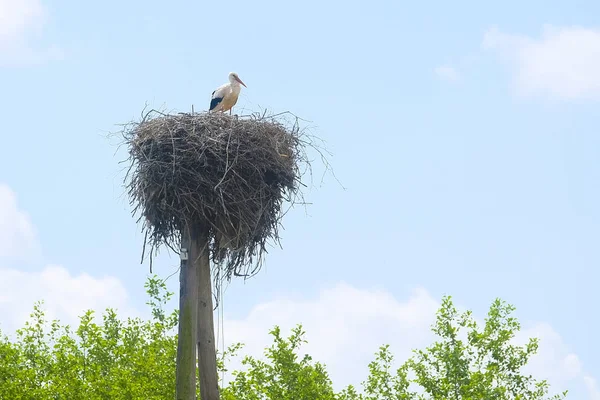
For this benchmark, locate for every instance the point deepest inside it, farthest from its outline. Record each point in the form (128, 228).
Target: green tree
(485, 365)
(130, 359)
(284, 376)
(117, 359)
(465, 363)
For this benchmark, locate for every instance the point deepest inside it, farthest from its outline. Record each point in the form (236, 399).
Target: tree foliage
(116, 359)
(135, 359)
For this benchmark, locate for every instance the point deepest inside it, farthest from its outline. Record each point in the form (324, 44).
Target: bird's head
(234, 78)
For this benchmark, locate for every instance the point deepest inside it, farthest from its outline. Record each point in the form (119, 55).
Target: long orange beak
(240, 81)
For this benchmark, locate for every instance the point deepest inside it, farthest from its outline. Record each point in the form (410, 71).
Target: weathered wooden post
(185, 375)
(207, 356)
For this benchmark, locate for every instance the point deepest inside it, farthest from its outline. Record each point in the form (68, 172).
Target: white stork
(225, 96)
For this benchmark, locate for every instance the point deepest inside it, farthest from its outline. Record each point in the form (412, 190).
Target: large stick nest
(227, 174)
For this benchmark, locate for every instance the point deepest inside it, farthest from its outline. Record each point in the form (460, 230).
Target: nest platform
(227, 174)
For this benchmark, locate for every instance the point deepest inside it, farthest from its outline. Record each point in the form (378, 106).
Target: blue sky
(464, 133)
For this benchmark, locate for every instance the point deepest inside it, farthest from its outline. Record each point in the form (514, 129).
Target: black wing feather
(214, 102)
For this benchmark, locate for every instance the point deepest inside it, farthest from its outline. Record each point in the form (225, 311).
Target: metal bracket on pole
(183, 254)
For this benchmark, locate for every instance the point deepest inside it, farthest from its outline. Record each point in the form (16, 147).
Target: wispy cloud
(564, 62)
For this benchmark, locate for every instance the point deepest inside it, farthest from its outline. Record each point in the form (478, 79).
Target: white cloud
(18, 241)
(21, 25)
(447, 73)
(563, 63)
(345, 326)
(65, 296)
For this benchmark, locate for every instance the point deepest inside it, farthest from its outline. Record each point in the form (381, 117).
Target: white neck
(236, 87)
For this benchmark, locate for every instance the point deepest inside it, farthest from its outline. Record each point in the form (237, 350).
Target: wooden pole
(207, 356)
(185, 378)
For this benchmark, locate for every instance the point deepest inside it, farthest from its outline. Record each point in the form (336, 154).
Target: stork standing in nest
(225, 96)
